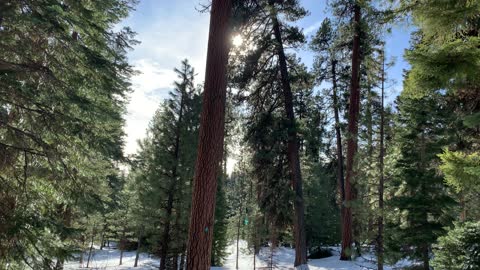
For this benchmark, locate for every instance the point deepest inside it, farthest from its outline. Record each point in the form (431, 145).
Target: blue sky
(170, 31)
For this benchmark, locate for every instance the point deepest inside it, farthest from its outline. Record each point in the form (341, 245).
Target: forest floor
(283, 258)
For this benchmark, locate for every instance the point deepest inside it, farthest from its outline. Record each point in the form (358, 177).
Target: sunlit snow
(283, 258)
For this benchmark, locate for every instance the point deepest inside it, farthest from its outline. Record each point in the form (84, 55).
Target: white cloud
(165, 42)
(150, 86)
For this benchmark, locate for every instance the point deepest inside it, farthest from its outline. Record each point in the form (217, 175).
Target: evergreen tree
(164, 168)
(353, 48)
(220, 237)
(444, 56)
(269, 58)
(326, 67)
(321, 215)
(223, 207)
(459, 248)
(408, 172)
(352, 144)
(269, 168)
(63, 80)
(420, 199)
(462, 172)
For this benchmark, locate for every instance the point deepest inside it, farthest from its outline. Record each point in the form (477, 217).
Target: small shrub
(319, 253)
(459, 249)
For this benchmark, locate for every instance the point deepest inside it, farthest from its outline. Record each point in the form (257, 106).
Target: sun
(237, 40)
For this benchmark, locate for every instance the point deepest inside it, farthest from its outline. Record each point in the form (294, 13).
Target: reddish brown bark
(352, 144)
(211, 134)
(293, 155)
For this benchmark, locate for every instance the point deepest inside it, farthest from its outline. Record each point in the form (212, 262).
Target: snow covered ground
(284, 257)
(108, 259)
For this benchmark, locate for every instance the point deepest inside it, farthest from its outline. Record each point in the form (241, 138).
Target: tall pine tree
(420, 199)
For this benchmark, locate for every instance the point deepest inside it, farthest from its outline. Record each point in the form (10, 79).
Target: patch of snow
(302, 267)
(283, 259)
(109, 259)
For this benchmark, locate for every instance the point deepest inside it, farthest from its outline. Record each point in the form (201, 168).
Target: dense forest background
(325, 154)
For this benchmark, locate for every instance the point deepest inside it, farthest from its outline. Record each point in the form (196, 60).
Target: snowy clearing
(283, 258)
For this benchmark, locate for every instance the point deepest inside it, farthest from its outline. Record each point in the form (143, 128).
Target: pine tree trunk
(369, 121)
(254, 257)
(102, 240)
(91, 249)
(210, 145)
(338, 134)
(122, 246)
(82, 251)
(425, 257)
(173, 186)
(340, 174)
(179, 251)
(382, 180)
(370, 159)
(352, 145)
(293, 154)
(121, 257)
(164, 244)
(139, 244)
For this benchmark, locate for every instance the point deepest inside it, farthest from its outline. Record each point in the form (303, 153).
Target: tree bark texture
(293, 154)
(210, 147)
(352, 144)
